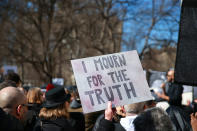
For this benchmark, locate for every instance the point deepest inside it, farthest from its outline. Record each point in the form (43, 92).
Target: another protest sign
(9, 68)
(156, 79)
(116, 77)
(58, 81)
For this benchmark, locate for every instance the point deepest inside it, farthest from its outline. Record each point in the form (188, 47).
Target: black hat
(55, 97)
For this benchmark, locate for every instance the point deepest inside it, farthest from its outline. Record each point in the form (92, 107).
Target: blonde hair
(34, 95)
(53, 113)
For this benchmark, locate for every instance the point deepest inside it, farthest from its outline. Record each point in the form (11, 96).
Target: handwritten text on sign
(116, 77)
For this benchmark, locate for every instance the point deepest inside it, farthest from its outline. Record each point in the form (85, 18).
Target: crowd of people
(34, 110)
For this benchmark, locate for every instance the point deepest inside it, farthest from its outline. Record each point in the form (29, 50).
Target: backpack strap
(41, 125)
(179, 119)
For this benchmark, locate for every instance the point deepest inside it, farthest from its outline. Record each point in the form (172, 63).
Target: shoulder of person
(118, 127)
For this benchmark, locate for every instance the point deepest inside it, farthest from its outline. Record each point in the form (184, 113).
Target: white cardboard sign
(115, 77)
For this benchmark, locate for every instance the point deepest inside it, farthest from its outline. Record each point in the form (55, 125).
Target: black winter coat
(175, 93)
(104, 125)
(9, 123)
(180, 119)
(77, 121)
(59, 124)
(32, 116)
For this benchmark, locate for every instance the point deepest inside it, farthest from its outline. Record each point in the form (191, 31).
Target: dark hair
(153, 119)
(13, 77)
(7, 83)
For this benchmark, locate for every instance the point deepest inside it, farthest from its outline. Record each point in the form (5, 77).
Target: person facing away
(7, 83)
(14, 77)
(13, 102)
(35, 100)
(54, 115)
(126, 124)
(9, 122)
(152, 119)
(132, 111)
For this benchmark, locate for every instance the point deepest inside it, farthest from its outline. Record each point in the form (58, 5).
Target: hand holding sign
(116, 77)
(109, 111)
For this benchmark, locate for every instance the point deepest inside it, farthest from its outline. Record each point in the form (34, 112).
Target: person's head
(13, 101)
(153, 119)
(35, 96)
(13, 77)
(135, 108)
(120, 111)
(170, 75)
(7, 83)
(23, 90)
(55, 105)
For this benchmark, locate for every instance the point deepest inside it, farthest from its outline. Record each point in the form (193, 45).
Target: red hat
(49, 87)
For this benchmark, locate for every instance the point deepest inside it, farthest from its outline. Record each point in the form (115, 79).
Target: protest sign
(156, 79)
(185, 66)
(115, 77)
(9, 68)
(58, 81)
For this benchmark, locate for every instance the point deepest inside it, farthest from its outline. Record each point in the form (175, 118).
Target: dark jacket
(175, 93)
(9, 123)
(90, 119)
(59, 124)
(32, 116)
(180, 119)
(104, 125)
(77, 121)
